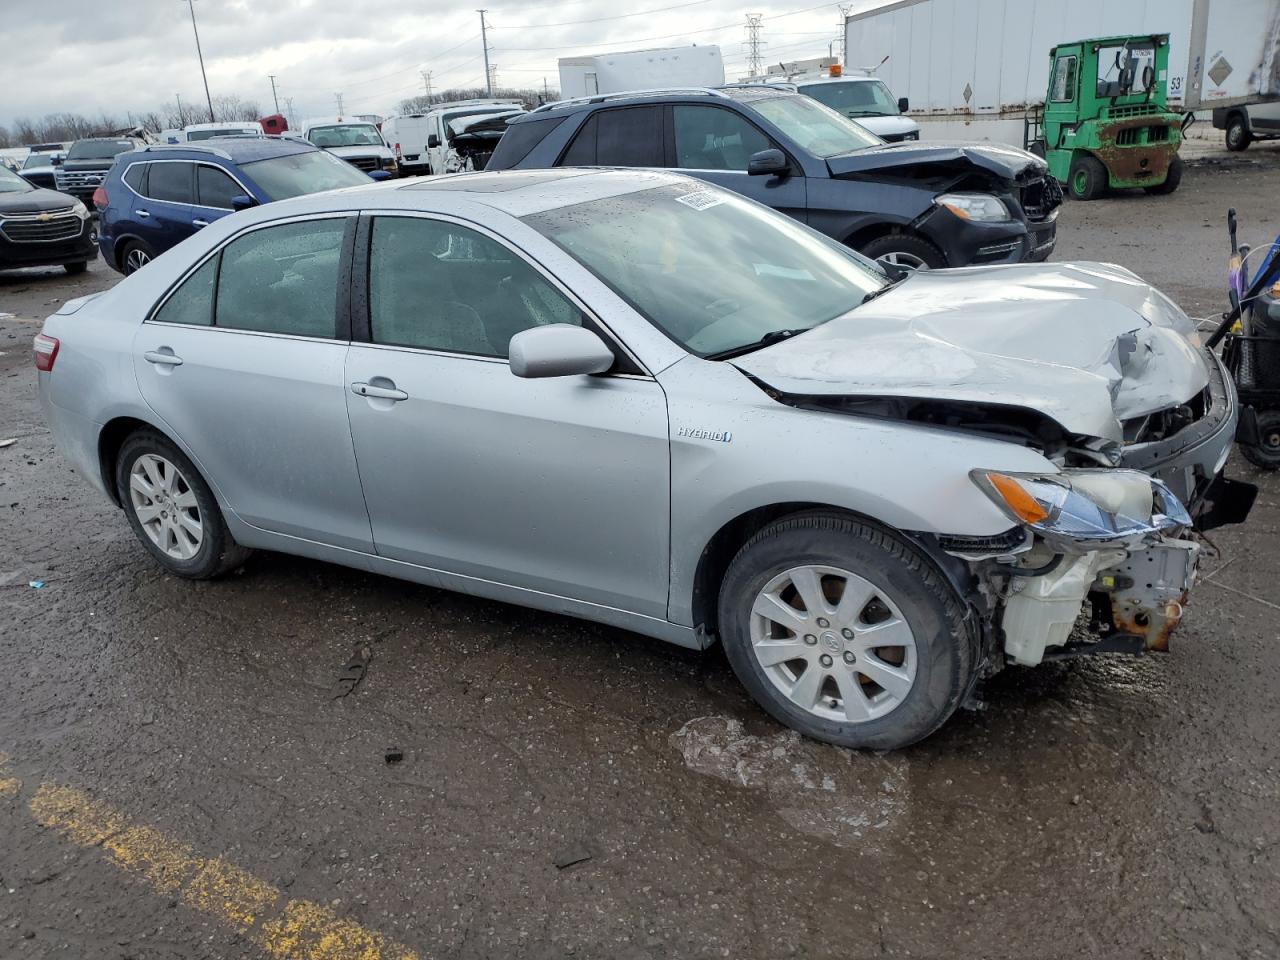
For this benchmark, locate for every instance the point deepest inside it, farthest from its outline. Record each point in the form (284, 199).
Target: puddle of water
(853, 800)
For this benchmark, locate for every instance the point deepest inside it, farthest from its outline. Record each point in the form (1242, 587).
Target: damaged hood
(484, 123)
(1087, 344)
(1007, 162)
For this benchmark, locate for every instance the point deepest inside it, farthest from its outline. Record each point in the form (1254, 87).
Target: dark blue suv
(913, 204)
(157, 196)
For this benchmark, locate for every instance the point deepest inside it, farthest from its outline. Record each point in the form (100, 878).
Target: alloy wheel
(166, 506)
(834, 643)
(135, 260)
(903, 259)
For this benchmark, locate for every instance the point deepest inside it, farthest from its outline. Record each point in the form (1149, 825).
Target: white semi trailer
(695, 66)
(971, 69)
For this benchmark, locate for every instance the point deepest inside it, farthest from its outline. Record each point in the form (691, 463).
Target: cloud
(115, 56)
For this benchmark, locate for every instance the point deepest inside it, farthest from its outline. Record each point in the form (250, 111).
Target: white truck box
(695, 66)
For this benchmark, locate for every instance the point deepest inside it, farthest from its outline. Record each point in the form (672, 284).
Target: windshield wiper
(865, 113)
(886, 288)
(773, 336)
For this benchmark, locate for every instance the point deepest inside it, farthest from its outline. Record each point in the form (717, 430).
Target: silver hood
(1088, 344)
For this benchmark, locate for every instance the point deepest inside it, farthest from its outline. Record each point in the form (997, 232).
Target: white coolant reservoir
(1043, 612)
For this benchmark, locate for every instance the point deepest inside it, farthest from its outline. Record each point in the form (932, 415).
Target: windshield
(10, 182)
(98, 149)
(346, 135)
(311, 172)
(194, 135)
(854, 98)
(37, 160)
(1137, 57)
(815, 127)
(710, 269)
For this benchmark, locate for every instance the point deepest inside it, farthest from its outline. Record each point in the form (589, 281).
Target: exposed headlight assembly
(974, 206)
(80, 210)
(1087, 508)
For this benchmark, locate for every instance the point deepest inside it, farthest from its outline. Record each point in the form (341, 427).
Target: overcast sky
(86, 56)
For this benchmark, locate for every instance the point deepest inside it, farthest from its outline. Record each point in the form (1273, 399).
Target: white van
(407, 137)
(193, 132)
(863, 99)
(461, 135)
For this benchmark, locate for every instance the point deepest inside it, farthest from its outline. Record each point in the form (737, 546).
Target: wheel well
(724, 546)
(121, 245)
(874, 231)
(110, 440)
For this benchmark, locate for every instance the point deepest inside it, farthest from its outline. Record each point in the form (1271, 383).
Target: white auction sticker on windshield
(701, 199)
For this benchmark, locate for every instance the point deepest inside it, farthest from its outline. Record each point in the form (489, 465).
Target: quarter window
(192, 303)
(283, 279)
(712, 138)
(136, 177)
(170, 181)
(440, 286)
(215, 188)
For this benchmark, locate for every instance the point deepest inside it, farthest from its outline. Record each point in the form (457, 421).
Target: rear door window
(626, 137)
(582, 152)
(170, 181)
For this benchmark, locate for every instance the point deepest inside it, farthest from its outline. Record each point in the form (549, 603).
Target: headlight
(911, 136)
(1087, 507)
(80, 210)
(974, 206)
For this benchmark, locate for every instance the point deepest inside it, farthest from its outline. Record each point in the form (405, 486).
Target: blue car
(157, 196)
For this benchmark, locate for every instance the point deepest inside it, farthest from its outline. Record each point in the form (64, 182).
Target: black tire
(1267, 453)
(130, 253)
(1088, 178)
(76, 268)
(1237, 136)
(218, 553)
(1171, 180)
(929, 605)
(912, 250)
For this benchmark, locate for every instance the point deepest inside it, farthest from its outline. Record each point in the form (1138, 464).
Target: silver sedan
(642, 400)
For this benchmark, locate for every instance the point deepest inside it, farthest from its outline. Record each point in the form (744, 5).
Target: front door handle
(162, 358)
(199, 223)
(362, 389)
(143, 214)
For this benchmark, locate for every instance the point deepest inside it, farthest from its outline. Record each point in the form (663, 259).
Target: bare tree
(231, 107)
(6, 140)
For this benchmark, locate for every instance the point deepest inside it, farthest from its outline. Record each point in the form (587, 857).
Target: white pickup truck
(461, 135)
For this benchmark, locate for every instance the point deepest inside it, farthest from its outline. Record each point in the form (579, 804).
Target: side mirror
(767, 163)
(433, 141)
(243, 202)
(56, 161)
(903, 104)
(558, 350)
(379, 175)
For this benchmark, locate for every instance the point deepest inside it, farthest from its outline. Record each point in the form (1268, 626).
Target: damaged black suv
(915, 204)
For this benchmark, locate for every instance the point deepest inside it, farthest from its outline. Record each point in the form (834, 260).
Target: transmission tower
(754, 45)
(844, 31)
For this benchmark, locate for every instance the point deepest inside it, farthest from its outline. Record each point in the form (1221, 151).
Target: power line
(619, 16)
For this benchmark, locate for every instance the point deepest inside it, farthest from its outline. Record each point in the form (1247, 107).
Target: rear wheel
(75, 268)
(905, 250)
(844, 632)
(1267, 453)
(172, 510)
(1171, 180)
(1087, 179)
(1238, 135)
(134, 257)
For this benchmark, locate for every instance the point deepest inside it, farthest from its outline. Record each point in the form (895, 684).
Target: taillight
(397, 151)
(100, 197)
(46, 349)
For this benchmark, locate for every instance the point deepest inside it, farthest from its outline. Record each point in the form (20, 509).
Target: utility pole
(194, 29)
(182, 120)
(755, 58)
(844, 29)
(274, 95)
(484, 42)
(338, 98)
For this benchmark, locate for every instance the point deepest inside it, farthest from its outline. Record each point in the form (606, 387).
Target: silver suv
(647, 401)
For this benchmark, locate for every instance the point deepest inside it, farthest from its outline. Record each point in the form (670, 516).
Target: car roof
(234, 149)
(564, 108)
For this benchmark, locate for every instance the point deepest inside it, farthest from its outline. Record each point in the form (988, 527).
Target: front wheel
(1171, 179)
(844, 632)
(172, 510)
(1238, 135)
(1088, 178)
(76, 268)
(905, 250)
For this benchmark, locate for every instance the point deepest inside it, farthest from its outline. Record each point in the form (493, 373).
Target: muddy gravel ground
(181, 780)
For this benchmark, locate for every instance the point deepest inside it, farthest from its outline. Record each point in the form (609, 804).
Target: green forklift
(1105, 122)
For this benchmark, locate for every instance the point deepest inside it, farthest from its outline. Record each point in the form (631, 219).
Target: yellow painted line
(284, 929)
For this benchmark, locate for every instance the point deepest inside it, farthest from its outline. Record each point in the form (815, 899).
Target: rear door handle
(360, 388)
(143, 214)
(164, 359)
(199, 223)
